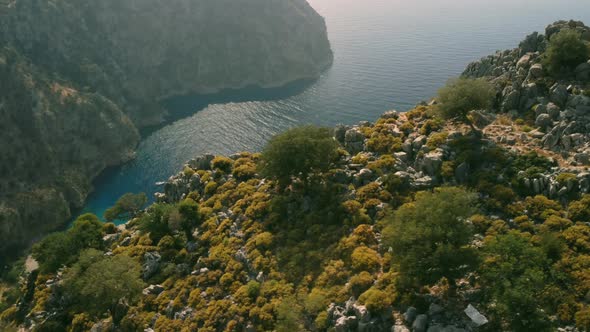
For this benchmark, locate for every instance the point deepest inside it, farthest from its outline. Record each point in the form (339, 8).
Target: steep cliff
(79, 78)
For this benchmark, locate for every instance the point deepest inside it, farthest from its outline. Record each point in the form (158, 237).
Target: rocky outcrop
(561, 108)
(79, 78)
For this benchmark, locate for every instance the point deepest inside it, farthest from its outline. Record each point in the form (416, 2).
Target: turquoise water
(389, 54)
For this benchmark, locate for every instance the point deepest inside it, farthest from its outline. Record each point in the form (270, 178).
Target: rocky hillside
(415, 224)
(79, 78)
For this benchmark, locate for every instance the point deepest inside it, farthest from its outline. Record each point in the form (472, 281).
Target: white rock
(476, 317)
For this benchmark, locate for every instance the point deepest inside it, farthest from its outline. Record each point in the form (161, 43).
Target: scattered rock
(354, 141)
(476, 317)
(432, 162)
(202, 162)
(524, 61)
(435, 309)
(399, 328)
(361, 312)
(420, 323)
(153, 290)
(410, 315)
(151, 264)
(558, 94)
(583, 71)
(346, 324)
(536, 71)
(544, 121)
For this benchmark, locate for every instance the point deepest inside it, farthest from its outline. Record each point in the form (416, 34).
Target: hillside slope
(416, 224)
(80, 77)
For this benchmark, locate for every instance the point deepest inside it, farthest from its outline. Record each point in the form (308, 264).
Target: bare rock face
(78, 77)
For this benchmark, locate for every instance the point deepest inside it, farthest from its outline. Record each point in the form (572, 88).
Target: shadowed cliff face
(79, 77)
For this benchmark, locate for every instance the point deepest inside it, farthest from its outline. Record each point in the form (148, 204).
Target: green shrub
(109, 228)
(462, 95)
(375, 300)
(253, 289)
(223, 164)
(520, 266)
(359, 283)
(580, 210)
(244, 169)
(126, 207)
(436, 140)
(566, 50)
(583, 319)
(299, 152)
(63, 248)
(565, 178)
(365, 259)
(431, 125)
(429, 236)
(191, 217)
(382, 143)
(96, 283)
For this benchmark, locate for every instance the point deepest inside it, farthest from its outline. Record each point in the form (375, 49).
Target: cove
(389, 54)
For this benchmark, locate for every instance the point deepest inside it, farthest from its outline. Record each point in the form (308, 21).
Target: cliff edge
(80, 77)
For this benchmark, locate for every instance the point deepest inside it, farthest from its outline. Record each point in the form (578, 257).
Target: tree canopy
(463, 95)
(126, 207)
(514, 275)
(429, 237)
(97, 282)
(299, 152)
(566, 50)
(62, 248)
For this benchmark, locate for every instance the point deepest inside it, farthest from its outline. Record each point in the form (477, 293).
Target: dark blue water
(389, 54)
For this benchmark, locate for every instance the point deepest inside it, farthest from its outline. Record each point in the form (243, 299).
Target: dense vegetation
(463, 95)
(339, 230)
(298, 153)
(566, 50)
(294, 252)
(430, 236)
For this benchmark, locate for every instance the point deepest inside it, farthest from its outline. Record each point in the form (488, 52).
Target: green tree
(430, 237)
(86, 232)
(580, 210)
(289, 316)
(97, 283)
(189, 209)
(566, 50)
(298, 153)
(463, 95)
(514, 275)
(62, 248)
(126, 207)
(156, 221)
(52, 252)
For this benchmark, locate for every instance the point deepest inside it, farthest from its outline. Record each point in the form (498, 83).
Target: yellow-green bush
(365, 259)
(359, 283)
(109, 228)
(375, 300)
(437, 140)
(382, 143)
(222, 163)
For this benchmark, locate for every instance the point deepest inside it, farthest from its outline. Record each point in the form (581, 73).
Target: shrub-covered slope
(80, 76)
(409, 223)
